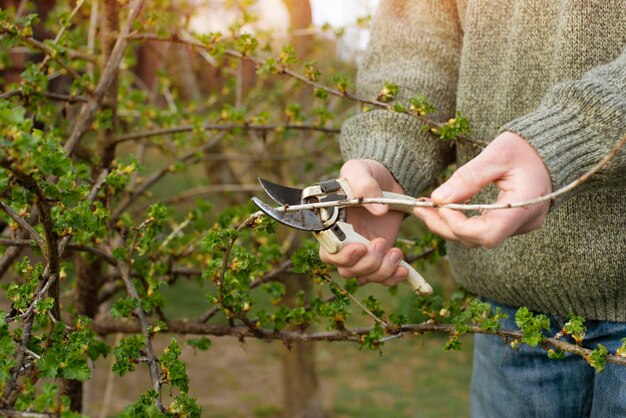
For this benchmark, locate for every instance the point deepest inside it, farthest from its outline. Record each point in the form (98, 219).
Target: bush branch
(108, 326)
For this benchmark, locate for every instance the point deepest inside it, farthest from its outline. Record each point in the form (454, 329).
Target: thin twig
(40, 295)
(143, 320)
(413, 202)
(222, 127)
(50, 95)
(380, 321)
(87, 111)
(282, 70)
(25, 414)
(4, 28)
(57, 38)
(190, 157)
(24, 225)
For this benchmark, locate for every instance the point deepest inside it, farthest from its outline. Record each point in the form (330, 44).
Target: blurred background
(172, 84)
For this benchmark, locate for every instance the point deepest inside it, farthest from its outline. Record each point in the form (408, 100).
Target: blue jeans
(526, 383)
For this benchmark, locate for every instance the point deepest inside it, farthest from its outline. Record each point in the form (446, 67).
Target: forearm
(577, 123)
(417, 46)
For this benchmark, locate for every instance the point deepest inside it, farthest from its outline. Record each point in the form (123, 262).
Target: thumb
(364, 184)
(469, 179)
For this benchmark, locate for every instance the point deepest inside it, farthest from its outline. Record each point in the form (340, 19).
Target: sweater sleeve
(577, 123)
(415, 44)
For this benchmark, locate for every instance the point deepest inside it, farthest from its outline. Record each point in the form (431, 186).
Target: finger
(369, 263)
(346, 257)
(470, 179)
(398, 277)
(487, 230)
(387, 268)
(435, 223)
(363, 184)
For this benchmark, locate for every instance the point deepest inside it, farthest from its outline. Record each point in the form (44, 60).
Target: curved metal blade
(282, 194)
(304, 220)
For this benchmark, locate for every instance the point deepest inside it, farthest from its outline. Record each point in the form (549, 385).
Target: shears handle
(342, 233)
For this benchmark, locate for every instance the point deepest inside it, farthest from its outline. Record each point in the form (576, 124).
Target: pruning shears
(328, 224)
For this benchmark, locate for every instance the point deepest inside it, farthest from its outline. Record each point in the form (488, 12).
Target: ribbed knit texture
(553, 71)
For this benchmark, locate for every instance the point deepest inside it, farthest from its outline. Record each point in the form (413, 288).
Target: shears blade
(304, 220)
(282, 194)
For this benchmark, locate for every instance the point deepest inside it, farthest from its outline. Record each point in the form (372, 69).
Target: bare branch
(222, 127)
(189, 157)
(57, 38)
(109, 326)
(25, 414)
(303, 79)
(24, 225)
(421, 202)
(144, 329)
(87, 111)
(50, 95)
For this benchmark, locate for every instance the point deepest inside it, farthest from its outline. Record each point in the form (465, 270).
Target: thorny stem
(124, 270)
(222, 127)
(4, 28)
(380, 321)
(349, 335)
(302, 78)
(24, 414)
(87, 111)
(24, 225)
(189, 157)
(459, 206)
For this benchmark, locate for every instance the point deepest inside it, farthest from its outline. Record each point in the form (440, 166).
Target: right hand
(378, 261)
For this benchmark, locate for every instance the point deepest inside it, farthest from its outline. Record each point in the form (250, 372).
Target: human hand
(516, 169)
(378, 261)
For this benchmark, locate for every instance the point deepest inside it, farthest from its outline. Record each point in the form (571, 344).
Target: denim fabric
(526, 383)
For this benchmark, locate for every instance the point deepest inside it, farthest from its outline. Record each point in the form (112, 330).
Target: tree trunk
(301, 390)
(301, 396)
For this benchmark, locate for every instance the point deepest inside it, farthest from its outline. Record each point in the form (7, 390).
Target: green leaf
(185, 406)
(144, 407)
(575, 327)
(531, 325)
(288, 55)
(305, 259)
(388, 92)
(124, 307)
(556, 354)
(127, 353)
(371, 340)
(202, 343)
(597, 358)
(174, 370)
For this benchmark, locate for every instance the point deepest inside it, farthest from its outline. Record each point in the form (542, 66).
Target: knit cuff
(398, 142)
(573, 131)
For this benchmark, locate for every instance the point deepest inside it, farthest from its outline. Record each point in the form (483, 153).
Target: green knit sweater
(553, 71)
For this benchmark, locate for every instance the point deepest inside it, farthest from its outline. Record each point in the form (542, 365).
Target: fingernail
(380, 248)
(442, 193)
(395, 257)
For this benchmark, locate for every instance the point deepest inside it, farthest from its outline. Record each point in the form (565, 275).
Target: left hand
(517, 170)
